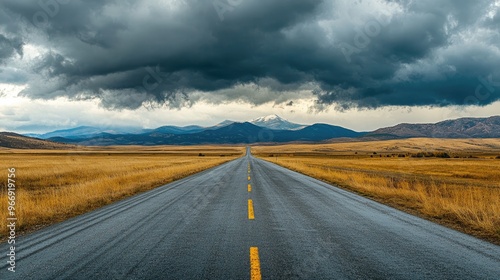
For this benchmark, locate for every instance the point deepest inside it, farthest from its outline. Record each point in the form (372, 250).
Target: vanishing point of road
(250, 219)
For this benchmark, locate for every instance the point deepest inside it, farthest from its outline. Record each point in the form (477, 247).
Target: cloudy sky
(362, 64)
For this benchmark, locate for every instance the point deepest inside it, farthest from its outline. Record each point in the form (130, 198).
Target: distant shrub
(201, 155)
(429, 154)
(443, 155)
(497, 157)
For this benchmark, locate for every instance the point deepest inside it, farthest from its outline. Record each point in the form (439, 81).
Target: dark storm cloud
(354, 53)
(9, 47)
(10, 43)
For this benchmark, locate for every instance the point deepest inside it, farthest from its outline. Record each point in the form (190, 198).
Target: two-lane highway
(250, 218)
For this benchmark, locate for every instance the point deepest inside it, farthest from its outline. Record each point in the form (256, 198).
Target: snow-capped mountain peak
(268, 118)
(276, 122)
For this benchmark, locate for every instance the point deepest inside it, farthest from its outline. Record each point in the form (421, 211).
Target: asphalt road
(232, 223)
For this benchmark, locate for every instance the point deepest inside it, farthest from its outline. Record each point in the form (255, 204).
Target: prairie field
(453, 182)
(54, 185)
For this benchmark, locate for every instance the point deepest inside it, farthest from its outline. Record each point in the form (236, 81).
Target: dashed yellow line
(251, 215)
(255, 264)
(255, 273)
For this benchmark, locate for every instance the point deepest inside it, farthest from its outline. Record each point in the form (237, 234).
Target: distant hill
(230, 134)
(87, 132)
(178, 129)
(221, 124)
(16, 141)
(315, 132)
(458, 128)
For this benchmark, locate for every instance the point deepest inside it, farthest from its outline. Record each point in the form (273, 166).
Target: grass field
(54, 185)
(462, 191)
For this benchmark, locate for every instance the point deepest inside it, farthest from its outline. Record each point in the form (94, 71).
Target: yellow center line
(255, 264)
(249, 188)
(248, 178)
(250, 210)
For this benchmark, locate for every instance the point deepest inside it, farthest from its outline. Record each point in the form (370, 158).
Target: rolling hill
(458, 128)
(17, 141)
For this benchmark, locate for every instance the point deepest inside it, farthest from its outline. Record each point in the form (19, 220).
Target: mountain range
(269, 129)
(458, 128)
(233, 133)
(84, 132)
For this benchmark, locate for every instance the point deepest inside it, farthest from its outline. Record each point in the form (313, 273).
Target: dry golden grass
(456, 147)
(463, 193)
(52, 186)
